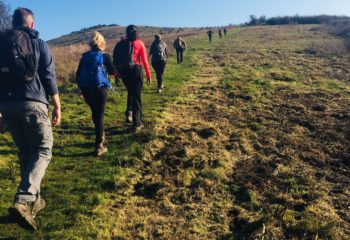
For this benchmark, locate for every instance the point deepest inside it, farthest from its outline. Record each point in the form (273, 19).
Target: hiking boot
(38, 205)
(100, 150)
(128, 118)
(22, 213)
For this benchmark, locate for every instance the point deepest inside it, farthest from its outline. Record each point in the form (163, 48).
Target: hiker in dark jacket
(95, 88)
(210, 34)
(180, 47)
(220, 33)
(225, 32)
(159, 54)
(24, 109)
(128, 56)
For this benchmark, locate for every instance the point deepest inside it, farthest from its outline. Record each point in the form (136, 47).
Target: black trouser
(133, 80)
(209, 38)
(179, 55)
(159, 67)
(96, 99)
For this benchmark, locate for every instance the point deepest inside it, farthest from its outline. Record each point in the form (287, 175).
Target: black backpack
(17, 60)
(123, 55)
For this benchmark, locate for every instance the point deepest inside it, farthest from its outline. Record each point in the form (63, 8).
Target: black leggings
(96, 99)
(159, 67)
(133, 80)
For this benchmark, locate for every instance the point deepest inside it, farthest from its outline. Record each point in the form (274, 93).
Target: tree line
(286, 20)
(5, 16)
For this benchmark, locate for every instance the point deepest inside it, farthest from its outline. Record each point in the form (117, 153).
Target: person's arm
(166, 50)
(144, 59)
(46, 69)
(47, 76)
(185, 46)
(151, 50)
(2, 123)
(117, 74)
(107, 59)
(77, 73)
(111, 69)
(56, 113)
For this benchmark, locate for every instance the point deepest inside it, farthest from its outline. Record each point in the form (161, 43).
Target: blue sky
(57, 17)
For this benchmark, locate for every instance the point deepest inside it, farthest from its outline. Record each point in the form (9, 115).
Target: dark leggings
(159, 67)
(133, 80)
(96, 99)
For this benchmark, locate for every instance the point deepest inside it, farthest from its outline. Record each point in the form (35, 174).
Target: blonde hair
(98, 41)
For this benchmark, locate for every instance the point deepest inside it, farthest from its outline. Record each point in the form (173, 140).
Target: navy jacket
(44, 83)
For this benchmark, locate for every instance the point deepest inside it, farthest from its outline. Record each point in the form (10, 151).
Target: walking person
(128, 56)
(159, 54)
(210, 34)
(25, 84)
(92, 80)
(220, 33)
(180, 47)
(225, 32)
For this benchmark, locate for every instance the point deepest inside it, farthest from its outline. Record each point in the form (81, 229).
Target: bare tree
(5, 17)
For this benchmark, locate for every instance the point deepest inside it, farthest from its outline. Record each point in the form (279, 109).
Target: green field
(249, 140)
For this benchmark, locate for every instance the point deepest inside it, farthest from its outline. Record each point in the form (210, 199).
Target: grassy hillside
(250, 140)
(116, 32)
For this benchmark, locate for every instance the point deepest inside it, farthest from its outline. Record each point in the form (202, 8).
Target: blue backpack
(93, 71)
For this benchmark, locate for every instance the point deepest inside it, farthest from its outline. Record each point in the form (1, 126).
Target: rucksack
(159, 52)
(123, 55)
(17, 60)
(92, 71)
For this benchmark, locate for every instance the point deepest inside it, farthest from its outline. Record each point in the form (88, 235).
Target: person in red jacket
(128, 56)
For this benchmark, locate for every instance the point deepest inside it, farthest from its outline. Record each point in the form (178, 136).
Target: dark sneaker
(23, 216)
(38, 205)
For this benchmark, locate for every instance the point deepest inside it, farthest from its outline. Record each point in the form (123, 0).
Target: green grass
(271, 164)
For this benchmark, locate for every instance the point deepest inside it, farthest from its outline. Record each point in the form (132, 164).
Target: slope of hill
(114, 33)
(250, 140)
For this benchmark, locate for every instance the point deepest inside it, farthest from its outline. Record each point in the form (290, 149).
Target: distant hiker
(128, 55)
(159, 54)
(225, 32)
(27, 77)
(180, 47)
(210, 34)
(220, 33)
(92, 80)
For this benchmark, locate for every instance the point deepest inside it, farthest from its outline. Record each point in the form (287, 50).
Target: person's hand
(56, 117)
(2, 124)
(149, 80)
